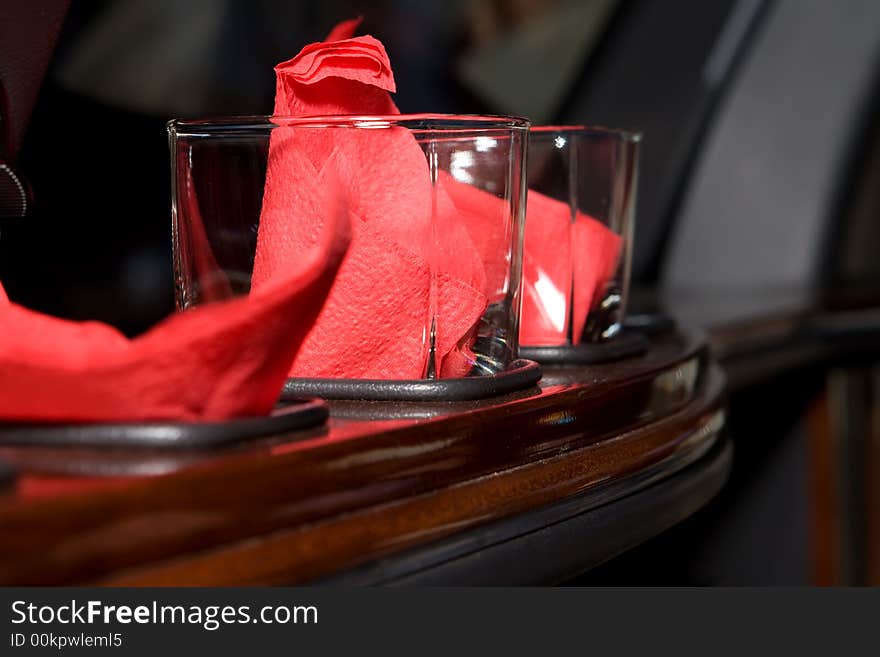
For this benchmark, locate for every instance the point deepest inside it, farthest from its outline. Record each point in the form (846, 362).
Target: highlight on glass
(578, 236)
(430, 284)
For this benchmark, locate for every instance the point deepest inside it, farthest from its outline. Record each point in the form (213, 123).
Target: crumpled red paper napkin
(216, 362)
(375, 321)
(342, 75)
(566, 267)
(381, 306)
(596, 252)
(566, 264)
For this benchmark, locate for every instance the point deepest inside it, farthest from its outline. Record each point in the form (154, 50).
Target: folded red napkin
(483, 216)
(565, 263)
(547, 272)
(399, 273)
(596, 252)
(566, 267)
(342, 75)
(215, 362)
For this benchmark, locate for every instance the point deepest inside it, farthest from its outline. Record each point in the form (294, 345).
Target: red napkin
(215, 362)
(547, 272)
(559, 254)
(596, 254)
(398, 272)
(342, 75)
(482, 215)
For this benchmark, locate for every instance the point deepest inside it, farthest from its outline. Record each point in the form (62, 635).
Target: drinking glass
(578, 242)
(439, 200)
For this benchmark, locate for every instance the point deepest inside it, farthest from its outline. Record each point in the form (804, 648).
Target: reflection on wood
(290, 509)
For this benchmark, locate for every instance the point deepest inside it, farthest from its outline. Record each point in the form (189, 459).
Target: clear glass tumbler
(578, 237)
(430, 286)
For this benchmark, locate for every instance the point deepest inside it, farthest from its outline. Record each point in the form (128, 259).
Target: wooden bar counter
(531, 487)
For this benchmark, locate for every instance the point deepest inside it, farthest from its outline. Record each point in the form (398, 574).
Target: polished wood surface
(379, 479)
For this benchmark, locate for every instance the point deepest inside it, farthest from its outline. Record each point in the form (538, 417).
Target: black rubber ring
(625, 345)
(519, 374)
(295, 415)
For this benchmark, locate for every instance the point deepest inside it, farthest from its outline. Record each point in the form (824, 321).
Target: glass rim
(592, 130)
(431, 121)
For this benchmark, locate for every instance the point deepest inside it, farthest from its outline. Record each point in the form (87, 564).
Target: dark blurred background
(759, 192)
(758, 116)
(97, 243)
